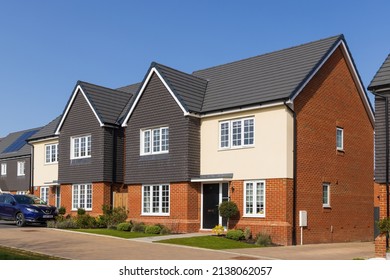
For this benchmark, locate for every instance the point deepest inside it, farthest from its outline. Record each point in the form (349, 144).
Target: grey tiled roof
(264, 78)
(107, 103)
(130, 89)
(12, 139)
(382, 77)
(47, 131)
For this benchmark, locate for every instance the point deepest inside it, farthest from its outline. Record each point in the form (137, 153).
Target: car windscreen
(25, 199)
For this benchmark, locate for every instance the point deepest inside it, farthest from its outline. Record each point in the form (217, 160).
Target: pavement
(82, 246)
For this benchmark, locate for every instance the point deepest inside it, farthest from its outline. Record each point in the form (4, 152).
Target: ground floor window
(326, 195)
(82, 196)
(155, 200)
(254, 198)
(44, 194)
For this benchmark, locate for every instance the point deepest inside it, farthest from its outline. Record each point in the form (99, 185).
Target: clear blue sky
(46, 46)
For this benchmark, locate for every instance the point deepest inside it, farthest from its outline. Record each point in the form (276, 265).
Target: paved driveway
(79, 246)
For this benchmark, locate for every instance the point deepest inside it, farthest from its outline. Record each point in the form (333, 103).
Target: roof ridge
(79, 82)
(182, 72)
(341, 36)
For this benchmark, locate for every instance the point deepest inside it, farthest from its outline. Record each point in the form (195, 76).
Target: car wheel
(19, 219)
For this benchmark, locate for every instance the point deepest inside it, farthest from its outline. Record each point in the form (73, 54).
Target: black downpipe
(294, 234)
(114, 167)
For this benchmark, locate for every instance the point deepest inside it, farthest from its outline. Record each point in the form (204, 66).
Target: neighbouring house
(90, 149)
(287, 135)
(45, 164)
(380, 87)
(15, 162)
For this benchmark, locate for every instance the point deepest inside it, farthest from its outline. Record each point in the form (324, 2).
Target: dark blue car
(25, 209)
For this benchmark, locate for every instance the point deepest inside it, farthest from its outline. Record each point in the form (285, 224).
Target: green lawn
(209, 242)
(7, 253)
(114, 232)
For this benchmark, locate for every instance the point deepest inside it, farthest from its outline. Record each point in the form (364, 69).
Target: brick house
(280, 133)
(380, 87)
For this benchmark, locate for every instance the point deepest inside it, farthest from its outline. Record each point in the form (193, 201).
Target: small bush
(80, 211)
(51, 224)
(112, 216)
(263, 239)
(67, 223)
(152, 229)
(218, 230)
(247, 233)
(124, 226)
(138, 227)
(235, 234)
(86, 221)
(62, 211)
(228, 209)
(165, 230)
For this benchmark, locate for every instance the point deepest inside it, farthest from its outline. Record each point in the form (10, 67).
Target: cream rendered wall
(271, 156)
(43, 172)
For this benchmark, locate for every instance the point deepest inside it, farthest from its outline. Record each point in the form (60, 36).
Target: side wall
(12, 182)
(331, 100)
(44, 172)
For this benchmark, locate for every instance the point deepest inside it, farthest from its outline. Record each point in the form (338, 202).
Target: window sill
(155, 215)
(340, 152)
(254, 216)
(236, 148)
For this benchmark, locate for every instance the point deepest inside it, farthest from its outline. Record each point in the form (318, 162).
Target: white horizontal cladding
(43, 172)
(271, 155)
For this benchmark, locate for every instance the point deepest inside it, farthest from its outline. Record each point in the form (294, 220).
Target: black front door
(210, 205)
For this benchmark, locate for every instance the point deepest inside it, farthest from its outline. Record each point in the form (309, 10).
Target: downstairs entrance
(212, 195)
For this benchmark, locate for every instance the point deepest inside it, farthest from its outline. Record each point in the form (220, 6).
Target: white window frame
(21, 168)
(149, 147)
(340, 146)
(3, 169)
(326, 204)
(229, 141)
(81, 194)
(254, 199)
(44, 194)
(148, 208)
(77, 148)
(51, 153)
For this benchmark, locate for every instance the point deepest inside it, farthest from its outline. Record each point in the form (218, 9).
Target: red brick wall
(380, 241)
(278, 210)
(329, 100)
(184, 207)
(100, 196)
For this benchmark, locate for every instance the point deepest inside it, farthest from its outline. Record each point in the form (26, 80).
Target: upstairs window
(237, 133)
(3, 169)
(80, 147)
(326, 195)
(51, 153)
(155, 141)
(340, 139)
(21, 168)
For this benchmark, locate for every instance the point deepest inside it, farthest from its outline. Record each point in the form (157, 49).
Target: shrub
(85, 221)
(112, 216)
(165, 230)
(263, 239)
(67, 223)
(80, 211)
(153, 229)
(138, 227)
(62, 211)
(51, 224)
(235, 234)
(247, 233)
(124, 226)
(218, 230)
(228, 209)
(384, 225)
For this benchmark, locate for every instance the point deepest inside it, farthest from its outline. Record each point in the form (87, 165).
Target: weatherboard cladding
(11, 182)
(157, 108)
(269, 77)
(382, 77)
(80, 121)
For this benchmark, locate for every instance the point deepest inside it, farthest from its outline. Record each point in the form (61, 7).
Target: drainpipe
(386, 98)
(294, 210)
(31, 183)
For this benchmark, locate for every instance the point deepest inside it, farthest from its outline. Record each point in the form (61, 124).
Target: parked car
(25, 209)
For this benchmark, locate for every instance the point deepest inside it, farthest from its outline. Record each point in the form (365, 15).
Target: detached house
(15, 162)
(287, 136)
(91, 147)
(279, 133)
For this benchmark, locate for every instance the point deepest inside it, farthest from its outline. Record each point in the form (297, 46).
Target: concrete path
(81, 246)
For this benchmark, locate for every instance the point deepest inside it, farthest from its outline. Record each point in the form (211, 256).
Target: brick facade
(331, 100)
(184, 207)
(380, 241)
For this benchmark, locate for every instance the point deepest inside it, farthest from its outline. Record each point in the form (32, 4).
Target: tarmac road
(79, 246)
